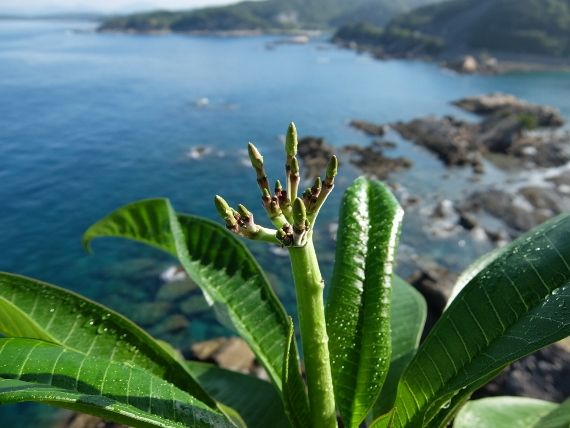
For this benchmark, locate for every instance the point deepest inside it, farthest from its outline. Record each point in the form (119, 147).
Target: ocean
(90, 122)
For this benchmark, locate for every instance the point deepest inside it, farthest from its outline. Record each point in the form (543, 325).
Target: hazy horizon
(46, 7)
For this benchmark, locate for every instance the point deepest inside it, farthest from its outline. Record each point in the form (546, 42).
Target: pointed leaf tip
(86, 243)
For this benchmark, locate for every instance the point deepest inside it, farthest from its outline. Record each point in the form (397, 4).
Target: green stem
(264, 234)
(309, 287)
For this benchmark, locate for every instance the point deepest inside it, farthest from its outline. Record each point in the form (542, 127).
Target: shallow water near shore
(90, 122)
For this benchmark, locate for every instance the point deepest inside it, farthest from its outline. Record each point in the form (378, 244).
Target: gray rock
(464, 65)
(467, 220)
(149, 313)
(520, 209)
(194, 305)
(451, 140)
(543, 148)
(497, 134)
(507, 128)
(368, 128)
(173, 291)
(436, 284)
(231, 353)
(315, 154)
(170, 325)
(372, 161)
(499, 104)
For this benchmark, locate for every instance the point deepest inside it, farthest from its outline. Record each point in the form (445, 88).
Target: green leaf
(409, 311)
(519, 303)
(295, 398)
(256, 400)
(358, 306)
(384, 421)
(34, 370)
(472, 270)
(502, 412)
(37, 310)
(218, 262)
(557, 418)
(15, 322)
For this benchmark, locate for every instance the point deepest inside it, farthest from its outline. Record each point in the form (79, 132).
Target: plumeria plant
(363, 364)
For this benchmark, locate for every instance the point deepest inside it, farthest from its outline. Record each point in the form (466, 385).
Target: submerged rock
(80, 420)
(194, 305)
(170, 325)
(173, 291)
(231, 353)
(198, 152)
(149, 313)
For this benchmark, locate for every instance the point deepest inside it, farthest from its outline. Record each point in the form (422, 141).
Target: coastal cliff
(530, 31)
(268, 15)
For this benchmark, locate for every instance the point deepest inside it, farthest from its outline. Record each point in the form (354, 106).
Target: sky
(100, 6)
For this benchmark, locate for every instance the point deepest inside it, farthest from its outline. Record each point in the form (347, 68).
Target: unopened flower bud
(244, 212)
(332, 169)
(299, 214)
(291, 140)
(294, 166)
(315, 190)
(254, 156)
(225, 211)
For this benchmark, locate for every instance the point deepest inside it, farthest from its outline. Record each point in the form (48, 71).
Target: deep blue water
(89, 122)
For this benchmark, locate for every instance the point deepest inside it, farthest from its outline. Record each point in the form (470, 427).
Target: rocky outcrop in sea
(522, 131)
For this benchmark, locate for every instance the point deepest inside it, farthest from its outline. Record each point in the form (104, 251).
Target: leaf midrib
(182, 253)
(471, 359)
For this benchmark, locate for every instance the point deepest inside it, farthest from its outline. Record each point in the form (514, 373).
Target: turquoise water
(89, 122)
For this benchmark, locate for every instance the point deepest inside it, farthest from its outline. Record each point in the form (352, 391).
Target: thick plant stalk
(309, 287)
(294, 219)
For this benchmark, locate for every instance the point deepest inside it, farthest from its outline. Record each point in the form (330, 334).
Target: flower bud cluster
(292, 216)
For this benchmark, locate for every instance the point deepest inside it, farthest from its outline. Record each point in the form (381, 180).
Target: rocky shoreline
(525, 141)
(463, 62)
(504, 129)
(521, 138)
(466, 63)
